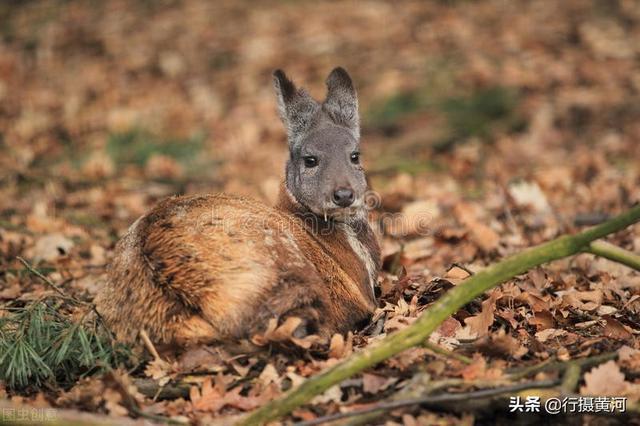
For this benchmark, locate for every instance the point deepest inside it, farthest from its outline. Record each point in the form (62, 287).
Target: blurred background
(467, 107)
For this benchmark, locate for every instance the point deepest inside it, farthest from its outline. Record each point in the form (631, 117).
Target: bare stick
(432, 400)
(552, 365)
(149, 345)
(46, 280)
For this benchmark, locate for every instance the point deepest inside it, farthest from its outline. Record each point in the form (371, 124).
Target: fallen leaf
(50, 247)
(585, 300)
(486, 238)
(333, 394)
(549, 333)
(504, 344)
(542, 320)
(480, 323)
(529, 194)
(269, 375)
(615, 329)
(201, 358)
(160, 371)
(604, 380)
(372, 383)
(629, 357)
(448, 327)
(474, 370)
(212, 398)
(456, 275)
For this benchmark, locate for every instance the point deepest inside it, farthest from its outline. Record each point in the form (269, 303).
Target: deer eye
(310, 161)
(355, 158)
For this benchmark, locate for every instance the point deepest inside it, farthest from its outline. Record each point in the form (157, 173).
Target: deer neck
(351, 243)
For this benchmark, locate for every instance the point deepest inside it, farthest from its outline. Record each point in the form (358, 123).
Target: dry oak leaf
(542, 320)
(476, 369)
(333, 394)
(480, 323)
(398, 322)
(467, 215)
(161, 371)
(614, 329)
(203, 358)
(629, 357)
(507, 344)
(456, 275)
(508, 315)
(549, 333)
(416, 218)
(605, 380)
(372, 383)
(448, 327)
(584, 300)
(213, 398)
(536, 303)
(269, 375)
(407, 358)
(114, 403)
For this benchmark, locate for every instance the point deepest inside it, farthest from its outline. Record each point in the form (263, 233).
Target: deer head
(323, 172)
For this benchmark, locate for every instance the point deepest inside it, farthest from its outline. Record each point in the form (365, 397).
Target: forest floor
(510, 123)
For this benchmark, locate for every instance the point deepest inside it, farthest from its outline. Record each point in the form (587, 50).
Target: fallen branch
(568, 384)
(447, 305)
(553, 365)
(151, 389)
(615, 253)
(432, 400)
(570, 378)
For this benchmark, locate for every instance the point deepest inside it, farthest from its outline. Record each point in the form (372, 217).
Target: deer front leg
(295, 296)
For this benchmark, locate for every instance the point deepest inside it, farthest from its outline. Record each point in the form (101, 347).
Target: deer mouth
(342, 213)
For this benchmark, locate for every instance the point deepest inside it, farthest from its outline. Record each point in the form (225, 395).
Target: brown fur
(216, 268)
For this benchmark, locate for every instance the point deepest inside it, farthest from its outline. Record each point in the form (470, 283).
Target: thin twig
(461, 266)
(63, 295)
(521, 373)
(432, 400)
(552, 364)
(46, 280)
(149, 345)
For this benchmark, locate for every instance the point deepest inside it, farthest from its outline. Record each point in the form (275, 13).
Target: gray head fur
(323, 172)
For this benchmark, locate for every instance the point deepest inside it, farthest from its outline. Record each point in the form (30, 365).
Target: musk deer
(219, 267)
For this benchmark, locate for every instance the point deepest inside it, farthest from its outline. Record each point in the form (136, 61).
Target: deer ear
(342, 100)
(296, 107)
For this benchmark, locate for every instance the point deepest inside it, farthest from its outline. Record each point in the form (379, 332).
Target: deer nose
(343, 197)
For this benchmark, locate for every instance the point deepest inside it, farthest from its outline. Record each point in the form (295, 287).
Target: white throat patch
(363, 254)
